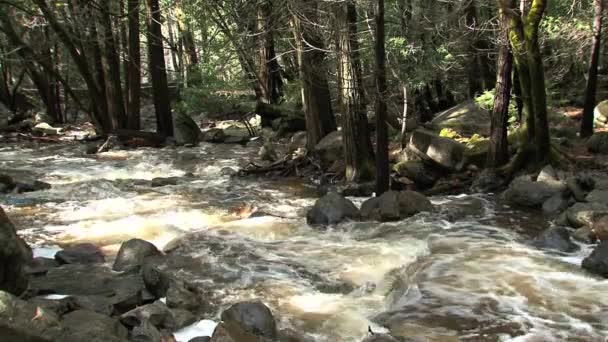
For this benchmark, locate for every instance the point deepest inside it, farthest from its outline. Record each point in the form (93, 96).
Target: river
(433, 277)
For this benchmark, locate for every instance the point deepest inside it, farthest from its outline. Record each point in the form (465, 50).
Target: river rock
(214, 135)
(444, 152)
(332, 209)
(15, 255)
(100, 304)
(394, 206)
(556, 204)
(597, 262)
(380, 338)
(146, 332)
(298, 141)
(83, 253)
(184, 296)
(525, 192)
(7, 184)
(40, 266)
(46, 129)
(417, 172)
(67, 279)
(330, 148)
(268, 153)
(157, 313)
(201, 339)
(488, 181)
(600, 228)
(598, 196)
(584, 214)
(91, 326)
(557, 239)
(598, 143)
(585, 235)
(465, 118)
(155, 279)
(21, 187)
(159, 182)
(132, 254)
(186, 131)
(462, 208)
(21, 321)
(600, 112)
(578, 188)
(250, 321)
(548, 175)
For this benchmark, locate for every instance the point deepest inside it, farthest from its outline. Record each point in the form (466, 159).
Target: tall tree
(590, 92)
(316, 98)
(134, 67)
(498, 153)
(382, 163)
(268, 65)
(158, 72)
(358, 150)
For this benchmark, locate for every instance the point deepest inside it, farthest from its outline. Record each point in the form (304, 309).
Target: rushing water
(441, 277)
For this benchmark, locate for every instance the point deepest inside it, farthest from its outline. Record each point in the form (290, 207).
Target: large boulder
(246, 322)
(466, 118)
(556, 204)
(597, 262)
(601, 113)
(394, 206)
(15, 255)
(330, 148)
(557, 239)
(331, 209)
(525, 192)
(584, 214)
(132, 254)
(26, 322)
(444, 152)
(83, 253)
(186, 131)
(417, 171)
(598, 143)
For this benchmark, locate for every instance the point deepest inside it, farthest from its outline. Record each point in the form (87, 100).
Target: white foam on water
(45, 251)
(198, 329)
(55, 296)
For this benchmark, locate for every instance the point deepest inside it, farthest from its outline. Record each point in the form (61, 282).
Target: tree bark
(316, 98)
(590, 92)
(498, 153)
(268, 65)
(358, 151)
(382, 163)
(134, 69)
(158, 72)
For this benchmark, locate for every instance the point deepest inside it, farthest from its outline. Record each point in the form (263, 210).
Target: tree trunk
(358, 151)
(124, 47)
(316, 98)
(268, 65)
(382, 163)
(158, 72)
(590, 92)
(498, 153)
(134, 70)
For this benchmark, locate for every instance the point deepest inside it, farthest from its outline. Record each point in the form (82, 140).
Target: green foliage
(195, 101)
(486, 102)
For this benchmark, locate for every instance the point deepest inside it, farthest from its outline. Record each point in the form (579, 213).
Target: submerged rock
(557, 239)
(246, 322)
(331, 209)
(597, 262)
(15, 255)
(394, 206)
(84, 253)
(132, 254)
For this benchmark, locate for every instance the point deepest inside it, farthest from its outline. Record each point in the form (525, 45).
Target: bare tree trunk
(590, 92)
(158, 72)
(358, 151)
(134, 70)
(316, 98)
(382, 163)
(268, 65)
(498, 153)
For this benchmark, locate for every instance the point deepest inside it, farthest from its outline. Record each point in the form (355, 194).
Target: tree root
(299, 166)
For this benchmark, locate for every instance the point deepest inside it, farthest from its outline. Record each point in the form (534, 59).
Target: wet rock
(462, 208)
(417, 172)
(489, 180)
(180, 319)
(268, 153)
(132, 254)
(380, 338)
(59, 307)
(600, 228)
(247, 321)
(155, 279)
(236, 140)
(577, 188)
(44, 128)
(157, 313)
(584, 235)
(7, 184)
(597, 262)
(31, 187)
(89, 325)
(598, 196)
(25, 322)
(298, 141)
(598, 143)
(214, 135)
(555, 205)
(228, 171)
(330, 148)
(394, 206)
(201, 339)
(146, 332)
(67, 279)
(444, 152)
(332, 209)
(557, 239)
(584, 214)
(164, 181)
(366, 189)
(186, 131)
(40, 266)
(15, 255)
(525, 192)
(84, 253)
(100, 304)
(184, 296)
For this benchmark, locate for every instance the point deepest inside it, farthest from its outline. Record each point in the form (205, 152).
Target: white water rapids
(429, 278)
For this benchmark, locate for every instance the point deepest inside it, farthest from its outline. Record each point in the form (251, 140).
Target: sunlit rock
(44, 128)
(444, 152)
(132, 254)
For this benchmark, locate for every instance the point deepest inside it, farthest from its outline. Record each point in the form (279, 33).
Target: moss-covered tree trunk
(358, 151)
